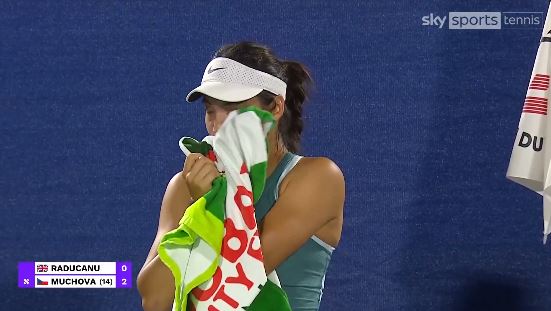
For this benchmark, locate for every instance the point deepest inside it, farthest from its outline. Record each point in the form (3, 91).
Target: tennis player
(300, 212)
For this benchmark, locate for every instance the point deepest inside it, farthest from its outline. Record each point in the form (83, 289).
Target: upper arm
(175, 202)
(312, 198)
(155, 281)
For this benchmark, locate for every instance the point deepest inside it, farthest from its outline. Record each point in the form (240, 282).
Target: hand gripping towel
(215, 254)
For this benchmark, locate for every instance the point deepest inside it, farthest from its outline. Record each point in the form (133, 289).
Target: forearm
(156, 286)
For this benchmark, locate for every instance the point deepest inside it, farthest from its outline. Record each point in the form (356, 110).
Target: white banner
(529, 163)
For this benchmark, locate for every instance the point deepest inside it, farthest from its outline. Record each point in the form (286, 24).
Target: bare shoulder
(315, 167)
(320, 173)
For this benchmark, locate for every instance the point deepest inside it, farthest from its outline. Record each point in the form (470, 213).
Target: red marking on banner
(533, 101)
(539, 82)
(536, 98)
(540, 77)
(535, 108)
(533, 111)
(535, 104)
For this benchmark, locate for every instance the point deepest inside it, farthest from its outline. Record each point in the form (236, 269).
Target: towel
(215, 254)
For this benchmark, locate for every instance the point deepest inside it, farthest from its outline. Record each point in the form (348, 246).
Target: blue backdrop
(421, 120)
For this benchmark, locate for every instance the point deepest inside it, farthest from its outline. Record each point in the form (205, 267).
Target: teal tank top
(302, 275)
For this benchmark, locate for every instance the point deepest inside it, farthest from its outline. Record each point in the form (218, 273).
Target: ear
(279, 107)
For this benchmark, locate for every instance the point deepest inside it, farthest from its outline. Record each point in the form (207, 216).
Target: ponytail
(299, 83)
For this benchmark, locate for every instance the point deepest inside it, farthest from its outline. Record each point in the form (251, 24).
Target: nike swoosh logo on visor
(211, 70)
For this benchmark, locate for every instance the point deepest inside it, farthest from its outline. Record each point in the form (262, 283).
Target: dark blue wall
(421, 120)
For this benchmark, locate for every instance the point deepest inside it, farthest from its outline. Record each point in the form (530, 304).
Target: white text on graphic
(434, 20)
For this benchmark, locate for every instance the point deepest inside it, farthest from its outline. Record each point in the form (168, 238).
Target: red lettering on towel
(203, 295)
(247, 211)
(231, 273)
(255, 252)
(231, 232)
(241, 277)
(221, 294)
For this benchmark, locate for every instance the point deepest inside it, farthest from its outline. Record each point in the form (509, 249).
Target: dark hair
(296, 76)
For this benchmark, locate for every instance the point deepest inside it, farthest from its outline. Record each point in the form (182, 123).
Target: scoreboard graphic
(75, 274)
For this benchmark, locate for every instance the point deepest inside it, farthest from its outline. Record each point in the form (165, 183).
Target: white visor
(231, 81)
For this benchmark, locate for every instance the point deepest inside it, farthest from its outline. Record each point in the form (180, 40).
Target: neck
(276, 151)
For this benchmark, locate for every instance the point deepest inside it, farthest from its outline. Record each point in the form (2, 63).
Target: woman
(300, 212)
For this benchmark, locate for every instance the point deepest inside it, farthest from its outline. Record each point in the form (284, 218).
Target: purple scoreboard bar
(26, 274)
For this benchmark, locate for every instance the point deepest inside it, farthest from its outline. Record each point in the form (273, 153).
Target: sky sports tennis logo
(485, 20)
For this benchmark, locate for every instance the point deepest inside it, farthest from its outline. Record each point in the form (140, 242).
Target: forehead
(209, 101)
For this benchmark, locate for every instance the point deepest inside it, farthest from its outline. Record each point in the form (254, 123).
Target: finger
(204, 167)
(198, 171)
(205, 183)
(209, 177)
(188, 176)
(208, 165)
(213, 176)
(190, 161)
